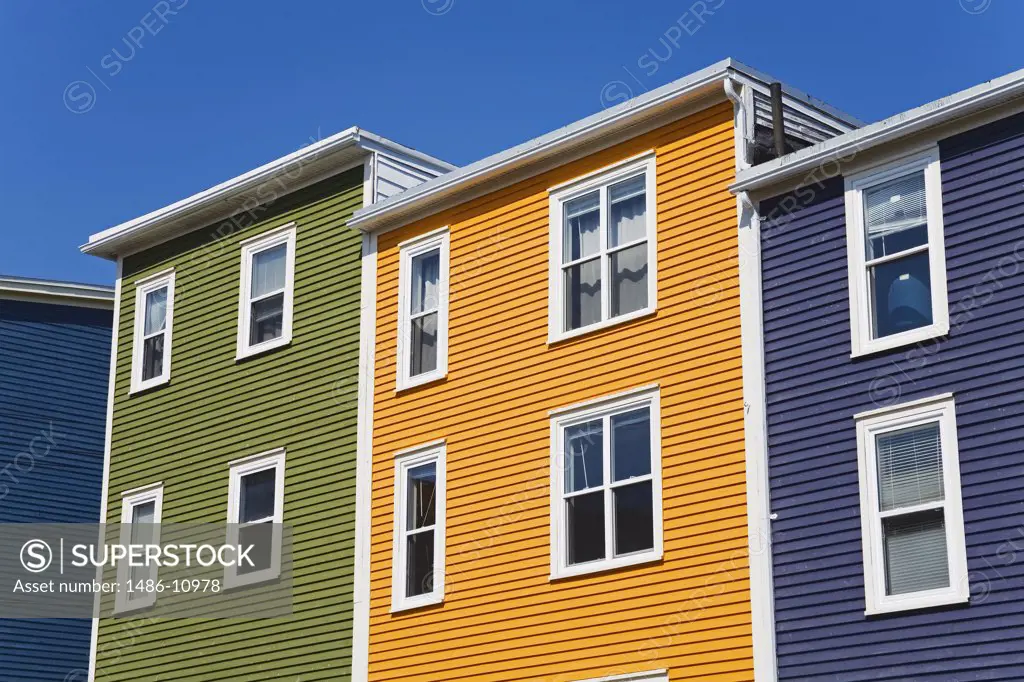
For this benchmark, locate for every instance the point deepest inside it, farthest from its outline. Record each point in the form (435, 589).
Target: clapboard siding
(54, 364)
(215, 410)
(814, 389)
(502, 618)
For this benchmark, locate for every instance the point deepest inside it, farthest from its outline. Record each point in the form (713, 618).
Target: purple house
(888, 442)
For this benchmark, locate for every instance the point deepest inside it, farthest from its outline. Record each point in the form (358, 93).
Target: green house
(234, 394)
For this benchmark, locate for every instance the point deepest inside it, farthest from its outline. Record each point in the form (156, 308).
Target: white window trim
(144, 287)
(436, 239)
(860, 312)
(558, 196)
(939, 408)
(250, 247)
(639, 397)
(274, 459)
(129, 500)
(649, 676)
(435, 451)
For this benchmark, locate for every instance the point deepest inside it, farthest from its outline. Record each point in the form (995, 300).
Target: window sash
(247, 319)
(405, 462)
(410, 345)
(131, 501)
(239, 470)
(143, 289)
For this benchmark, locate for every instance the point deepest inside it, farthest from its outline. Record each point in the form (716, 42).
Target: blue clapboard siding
(814, 388)
(54, 364)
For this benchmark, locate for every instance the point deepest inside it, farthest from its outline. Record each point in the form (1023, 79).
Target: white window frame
(143, 288)
(646, 396)
(940, 409)
(434, 452)
(860, 299)
(251, 247)
(274, 459)
(440, 240)
(558, 196)
(130, 499)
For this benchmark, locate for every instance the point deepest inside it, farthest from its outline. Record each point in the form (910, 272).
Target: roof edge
(55, 291)
(943, 110)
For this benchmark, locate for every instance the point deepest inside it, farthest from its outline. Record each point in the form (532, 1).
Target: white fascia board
(62, 293)
(944, 110)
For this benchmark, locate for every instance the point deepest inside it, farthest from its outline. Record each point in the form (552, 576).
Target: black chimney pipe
(778, 124)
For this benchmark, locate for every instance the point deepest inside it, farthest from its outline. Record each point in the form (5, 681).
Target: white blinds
(896, 205)
(909, 467)
(268, 271)
(915, 552)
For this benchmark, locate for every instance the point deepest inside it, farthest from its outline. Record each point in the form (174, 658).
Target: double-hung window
(265, 300)
(418, 557)
(606, 484)
(911, 511)
(603, 252)
(151, 347)
(141, 511)
(255, 514)
(897, 263)
(423, 309)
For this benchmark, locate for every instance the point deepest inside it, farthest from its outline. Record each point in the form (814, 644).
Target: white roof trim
(963, 103)
(433, 192)
(50, 291)
(107, 242)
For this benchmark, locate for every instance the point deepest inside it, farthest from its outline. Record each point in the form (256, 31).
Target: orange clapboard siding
(502, 618)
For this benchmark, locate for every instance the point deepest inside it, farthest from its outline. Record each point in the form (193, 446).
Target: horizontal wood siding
(502, 618)
(814, 389)
(54, 364)
(301, 397)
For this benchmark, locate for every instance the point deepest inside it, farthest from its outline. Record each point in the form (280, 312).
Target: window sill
(259, 349)
(907, 338)
(421, 380)
(605, 565)
(558, 337)
(918, 603)
(149, 385)
(417, 602)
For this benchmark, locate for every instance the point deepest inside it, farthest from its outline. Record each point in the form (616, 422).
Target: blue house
(890, 479)
(54, 366)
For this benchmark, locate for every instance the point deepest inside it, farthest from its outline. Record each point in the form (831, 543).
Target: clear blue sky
(221, 87)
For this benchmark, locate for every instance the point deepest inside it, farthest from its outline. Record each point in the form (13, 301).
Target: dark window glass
(629, 280)
(267, 321)
(584, 456)
(586, 527)
(634, 518)
(257, 498)
(424, 345)
(153, 357)
(901, 297)
(582, 294)
(631, 444)
(419, 572)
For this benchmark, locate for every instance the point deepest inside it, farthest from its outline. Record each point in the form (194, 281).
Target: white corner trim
(861, 341)
(364, 461)
(285, 234)
(107, 441)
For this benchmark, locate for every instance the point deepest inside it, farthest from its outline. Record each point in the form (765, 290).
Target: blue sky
(113, 109)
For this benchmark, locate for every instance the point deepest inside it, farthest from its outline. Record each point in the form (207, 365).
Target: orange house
(553, 477)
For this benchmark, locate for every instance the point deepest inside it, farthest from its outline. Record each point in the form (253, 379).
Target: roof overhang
(600, 130)
(843, 147)
(54, 292)
(286, 174)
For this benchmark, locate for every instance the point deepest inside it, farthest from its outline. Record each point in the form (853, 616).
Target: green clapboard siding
(302, 397)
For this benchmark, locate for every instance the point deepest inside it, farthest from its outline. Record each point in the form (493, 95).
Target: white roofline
(52, 291)
(419, 198)
(106, 242)
(963, 103)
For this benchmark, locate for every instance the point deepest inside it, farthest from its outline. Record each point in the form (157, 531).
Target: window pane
(915, 552)
(267, 320)
(142, 533)
(419, 564)
(143, 513)
(581, 235)
(424, 345)
(584, 456)
(634, 518)
(629, 211)
(257, 496)
(261, 537)
(156, 312)
(909, 467)
(420, 491)
(426, 273)
(631, 444)
(629, 280)
(585, 525)
(895, 216)
(582, 294)
(901, 297)
(268, 270)
(152, 357)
